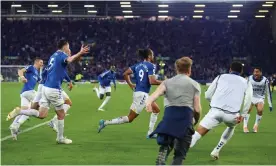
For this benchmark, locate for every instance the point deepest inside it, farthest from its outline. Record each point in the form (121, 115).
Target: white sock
(258, 119)
(195, 138)
(22, 119)
(105, 102)
(153, 119)
(60, 128)
(15, 121)
(30, 112)
(246, 119)
(97, 92)
(120, 120)
(225, 137)
(66, 107)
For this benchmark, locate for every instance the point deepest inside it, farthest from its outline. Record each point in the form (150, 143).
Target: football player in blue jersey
(52, 93)
(104, 80)
(29, 76)
(144, 73)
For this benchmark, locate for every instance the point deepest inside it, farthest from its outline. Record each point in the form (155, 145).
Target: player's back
(259, 86)
(229, 93)
(141, 72)
(56, 70)
(32, 77)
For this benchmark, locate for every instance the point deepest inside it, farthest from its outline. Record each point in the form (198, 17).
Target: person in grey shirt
(182, 111)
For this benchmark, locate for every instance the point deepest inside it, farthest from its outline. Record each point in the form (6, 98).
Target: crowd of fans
(211, 44)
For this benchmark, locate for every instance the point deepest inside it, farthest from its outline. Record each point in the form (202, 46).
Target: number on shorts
(141, 74)
(51, 63)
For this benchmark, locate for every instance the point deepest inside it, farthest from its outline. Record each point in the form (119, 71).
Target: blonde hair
(183, 65)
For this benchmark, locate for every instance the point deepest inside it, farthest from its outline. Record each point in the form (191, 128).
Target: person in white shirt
(226, 94)
(261, 87)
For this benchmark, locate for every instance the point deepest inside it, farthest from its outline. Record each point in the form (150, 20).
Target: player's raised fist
(84, 49)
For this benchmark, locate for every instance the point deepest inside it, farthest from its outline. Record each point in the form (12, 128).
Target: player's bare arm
(158, 92)
(84, 50)
(154, 81)
(21, 75)
(126, 75)
(197, 109)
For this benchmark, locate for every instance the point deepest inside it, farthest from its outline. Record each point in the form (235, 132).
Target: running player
(226, 94)
(52, 89)
(144, 73)
(260, 87)
(105, 79)
(29, 76)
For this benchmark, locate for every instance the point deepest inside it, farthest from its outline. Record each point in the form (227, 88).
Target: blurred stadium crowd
(211, 44)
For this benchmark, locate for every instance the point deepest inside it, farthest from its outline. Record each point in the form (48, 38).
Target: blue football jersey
(141, 72)
(56, 70)
(32, 77)
(43, 75)
(106, 77)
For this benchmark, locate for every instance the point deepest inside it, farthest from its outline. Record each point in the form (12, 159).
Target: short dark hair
(61, 43)
(144, 53)
(37, 59)
(237, 67)
(258, 68)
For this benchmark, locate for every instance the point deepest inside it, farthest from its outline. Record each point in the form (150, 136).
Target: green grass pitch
(122, 144)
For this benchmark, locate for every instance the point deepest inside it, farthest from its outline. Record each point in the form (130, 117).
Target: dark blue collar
(261, 78)
(236, 73)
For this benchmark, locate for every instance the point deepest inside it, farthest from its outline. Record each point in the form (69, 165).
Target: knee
(42, 115)
(60, 115)
(68, 101)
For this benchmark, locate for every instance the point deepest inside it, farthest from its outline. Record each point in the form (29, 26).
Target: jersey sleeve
(151, 68)
(28, 69)
(197, 89)
(63, 58)
(212, 88)
(247, 99)
(132, 68)
(268, 92)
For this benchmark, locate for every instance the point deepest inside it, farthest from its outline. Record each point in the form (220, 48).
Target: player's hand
(239, 119)
(84, 49)
(70, 86)
(148, 107)
(23, 79)
(132, 86)
(270, 109)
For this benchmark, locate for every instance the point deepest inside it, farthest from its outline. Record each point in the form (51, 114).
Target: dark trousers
(168, 143)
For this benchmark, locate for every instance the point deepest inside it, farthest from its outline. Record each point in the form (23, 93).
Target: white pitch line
(28, 129)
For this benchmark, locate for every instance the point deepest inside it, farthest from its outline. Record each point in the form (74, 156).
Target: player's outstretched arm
(158, 92)
(247, 99)
(211, 90)
(269, 96)
(154, 81)
(127, 74)
(197, 105)
(20, 73)
(84, 50)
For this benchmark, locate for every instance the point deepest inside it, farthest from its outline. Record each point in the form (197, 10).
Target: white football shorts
(139, 101)
(104, 90)
(27, 97)
(38, 95)
(64, 95)
(51, 96)
(216, 116)
(256, 100)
